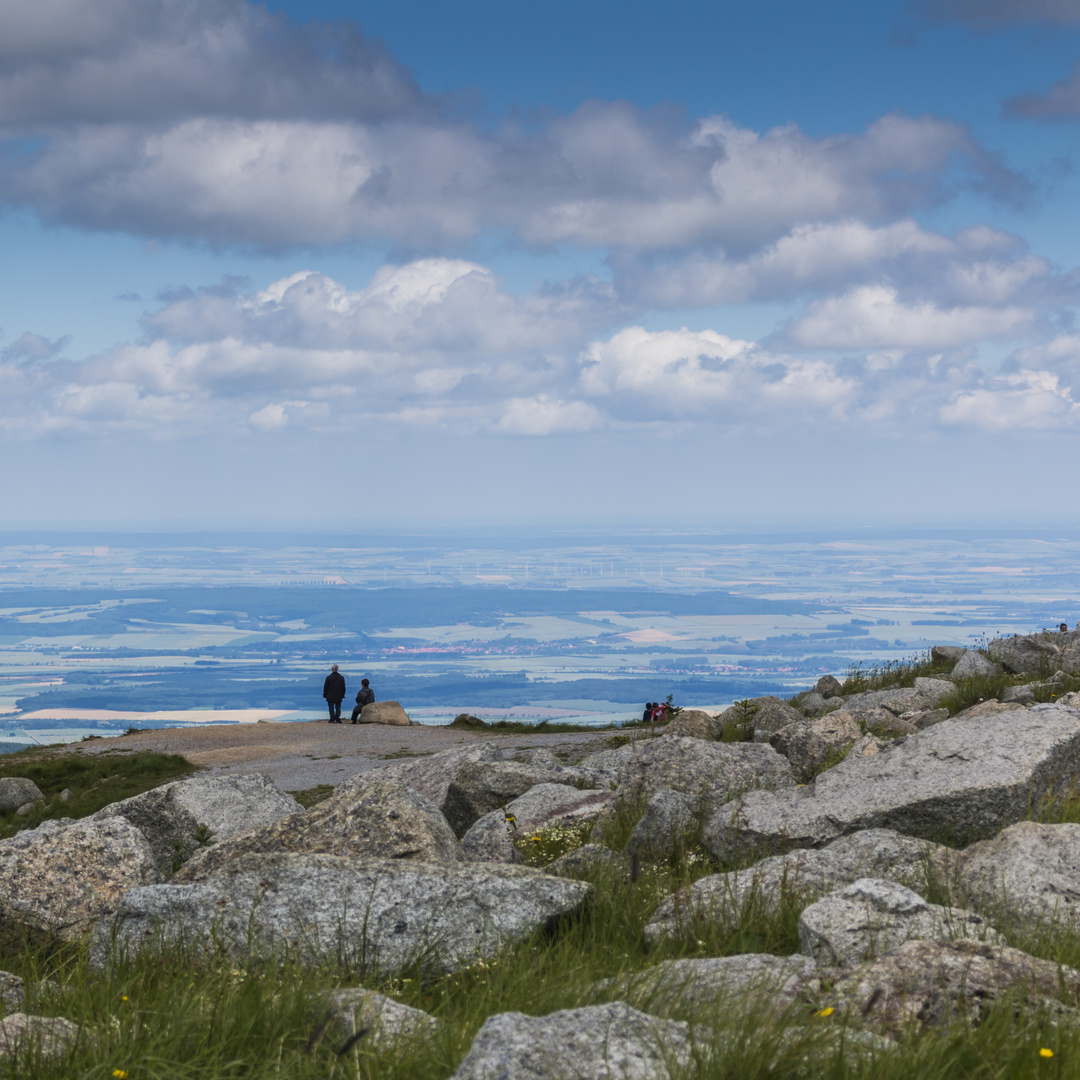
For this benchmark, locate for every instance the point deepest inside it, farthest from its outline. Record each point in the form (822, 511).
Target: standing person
(333, 689)
(365, 697)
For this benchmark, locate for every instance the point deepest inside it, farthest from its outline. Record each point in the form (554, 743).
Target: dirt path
(303, 755)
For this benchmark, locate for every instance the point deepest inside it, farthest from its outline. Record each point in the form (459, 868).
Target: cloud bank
(219, 123)
(440, 344)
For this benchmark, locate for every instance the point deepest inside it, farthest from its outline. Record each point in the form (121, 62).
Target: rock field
(907, 840)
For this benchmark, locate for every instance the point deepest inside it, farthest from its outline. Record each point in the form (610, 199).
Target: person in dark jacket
(333, 689)
(365, 697)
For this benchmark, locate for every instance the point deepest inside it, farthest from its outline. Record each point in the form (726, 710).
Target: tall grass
(171, 1015)
(93, 780)
(893, 674)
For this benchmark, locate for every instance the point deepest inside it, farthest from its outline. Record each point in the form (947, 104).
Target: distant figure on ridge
(333, 689)
(365, 697)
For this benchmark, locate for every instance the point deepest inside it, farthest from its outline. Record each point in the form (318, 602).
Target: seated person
(365, 697)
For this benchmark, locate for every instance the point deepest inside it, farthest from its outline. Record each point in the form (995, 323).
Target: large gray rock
(599, 1042)
(1048, 651)
(749, 982)
(491, 839)
(925, 694)
(695, 724)
(432, 774)
(928, 983)
(385, 1024)
(666, 825)
(811, 745)
(987, 708)
(1031, 870)
(973, 665)
(16, 791)
(64, 875)
(179, 818)
(380, 819)
(872, 915)
(925, 718)
(829, 686)
(540, 756)
(383, 913)
(896, 700)
(959, 780)
(772, 715)
(800, 877)
(384, 712)
(810, 704)
(551, 804)
(25, 1037)
(947, 654)
(1019, 695)
(692, 766)
(887, 725)
(481, 787)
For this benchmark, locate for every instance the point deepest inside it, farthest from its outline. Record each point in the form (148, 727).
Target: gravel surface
(303, 755)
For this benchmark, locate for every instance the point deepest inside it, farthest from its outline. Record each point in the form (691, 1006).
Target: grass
(308, 797)
(967, 692)
(168, 1016)
(893, 674)
(464, 722)
(94, 780)
(521, 727)
(172, 1016)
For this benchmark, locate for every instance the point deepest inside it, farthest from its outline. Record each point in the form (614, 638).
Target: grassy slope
(94, 780)
(172, 1016)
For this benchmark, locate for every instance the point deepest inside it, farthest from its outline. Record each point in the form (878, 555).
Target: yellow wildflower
(119, 1074)
(827, 1011)
(1045, 1053)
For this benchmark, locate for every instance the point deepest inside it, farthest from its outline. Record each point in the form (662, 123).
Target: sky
(326, 263)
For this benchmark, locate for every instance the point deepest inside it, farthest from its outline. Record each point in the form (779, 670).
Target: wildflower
(1046, 1053)
(827, 1011)
(119, 1074)
(124, 998)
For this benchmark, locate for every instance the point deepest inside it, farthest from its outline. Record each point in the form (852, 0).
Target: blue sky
(330, 263)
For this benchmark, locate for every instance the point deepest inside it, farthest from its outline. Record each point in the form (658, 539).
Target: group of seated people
(655, 713)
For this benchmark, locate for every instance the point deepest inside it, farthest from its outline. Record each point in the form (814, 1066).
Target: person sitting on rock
(646, 716)
(1064, 627)
(334, 691)
(365, 697)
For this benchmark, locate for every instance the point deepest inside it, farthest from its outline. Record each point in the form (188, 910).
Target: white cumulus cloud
(874, 317)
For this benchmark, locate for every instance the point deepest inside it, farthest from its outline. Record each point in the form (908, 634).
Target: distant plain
(98, 633)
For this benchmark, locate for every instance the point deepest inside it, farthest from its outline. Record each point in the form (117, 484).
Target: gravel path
(303, 755)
